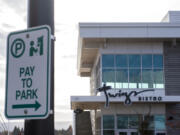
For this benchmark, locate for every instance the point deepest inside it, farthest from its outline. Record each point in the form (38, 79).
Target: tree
(144, 123)
(16, 131)
(64, 132)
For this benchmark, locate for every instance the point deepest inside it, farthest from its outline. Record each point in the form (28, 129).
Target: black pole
(41, 12)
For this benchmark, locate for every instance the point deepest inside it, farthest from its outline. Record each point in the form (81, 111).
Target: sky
(68, 13)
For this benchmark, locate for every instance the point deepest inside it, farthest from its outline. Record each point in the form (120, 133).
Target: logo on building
(127, 95)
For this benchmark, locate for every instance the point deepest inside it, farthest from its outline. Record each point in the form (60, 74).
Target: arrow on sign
(20, 106)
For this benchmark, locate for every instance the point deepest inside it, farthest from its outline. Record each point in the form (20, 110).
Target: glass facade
(108, 125)
(129, 124)
(133, 70)
(159, 122)
(127, 121)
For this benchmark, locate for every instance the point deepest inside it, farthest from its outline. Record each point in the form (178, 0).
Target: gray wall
(172, 69)
(172, 86)
(83, 123)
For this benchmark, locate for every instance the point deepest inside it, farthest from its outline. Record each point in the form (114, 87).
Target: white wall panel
(133, 48)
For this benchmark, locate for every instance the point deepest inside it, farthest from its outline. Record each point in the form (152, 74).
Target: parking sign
(28, 73)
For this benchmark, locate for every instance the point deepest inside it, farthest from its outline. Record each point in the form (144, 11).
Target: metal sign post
(41, 12)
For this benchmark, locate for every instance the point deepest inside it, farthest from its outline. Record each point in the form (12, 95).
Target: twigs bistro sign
(127, 95)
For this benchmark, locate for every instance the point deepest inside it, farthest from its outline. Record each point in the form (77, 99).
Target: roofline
(129, 30)
(151, 31)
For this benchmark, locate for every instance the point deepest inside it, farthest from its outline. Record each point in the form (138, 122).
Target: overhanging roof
(92, 36)
(129, 30)
(95, 102)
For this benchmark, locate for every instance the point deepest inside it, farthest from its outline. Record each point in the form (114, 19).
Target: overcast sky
(13, 16)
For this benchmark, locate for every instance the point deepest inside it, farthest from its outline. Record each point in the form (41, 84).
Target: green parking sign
(28, 74)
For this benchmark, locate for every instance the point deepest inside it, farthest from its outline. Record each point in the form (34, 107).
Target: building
(141, 64)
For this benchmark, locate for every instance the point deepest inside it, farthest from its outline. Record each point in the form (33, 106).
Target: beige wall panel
(133, 48)
(134, 109)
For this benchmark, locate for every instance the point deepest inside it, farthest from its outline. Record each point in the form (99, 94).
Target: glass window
(108, 122)
(157, 61)
(158, 78)
(122, 133)
(132, 71)
(108, 132)
(159, 122)
(147, 79)
(122, 122)
(134, 133)
(134, 61)
(121, 78)
(147, 61)
(150, 121)
(108, 61)
(134, 78)
(121, 61)
(149, 132)
(108, 77)
(160, 133)
(133, 122)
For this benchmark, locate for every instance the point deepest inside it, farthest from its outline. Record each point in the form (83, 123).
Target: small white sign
(28, 73)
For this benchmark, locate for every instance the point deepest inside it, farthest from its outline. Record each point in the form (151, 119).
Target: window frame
(108, 129)
(116, 129)
(128, 68)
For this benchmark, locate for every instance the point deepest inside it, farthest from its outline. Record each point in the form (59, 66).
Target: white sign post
(28, 74)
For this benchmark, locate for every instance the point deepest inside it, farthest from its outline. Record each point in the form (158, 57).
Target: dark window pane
(122, 122)
(146, 61)
(149, 120)
(149, 132)
(108, 122)
(157, 61)
(159, 122)
(108, 132)
(108, 77)
(147, 79)
(160, 133)
(133, 122)
(134, 78)
(121, 78)
(122, 133)
(121, 61)
(134, 61)
(158, 78)
(134, 133)
(108, 61)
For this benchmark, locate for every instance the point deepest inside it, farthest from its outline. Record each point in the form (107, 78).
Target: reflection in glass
(122, 133)
(133, 122)
(122, 122)
(134, 78)
(108, 77)
(159, 122)
(108, 132)
(160, 133)
(132, 71)
(158, 78)
(108, 122)
(147, 79)
(121, 61)
(146, 61)
(121, 78)
(108, 61)
(157, 61)
(134, 133)
(150, 120)
(134, 61)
